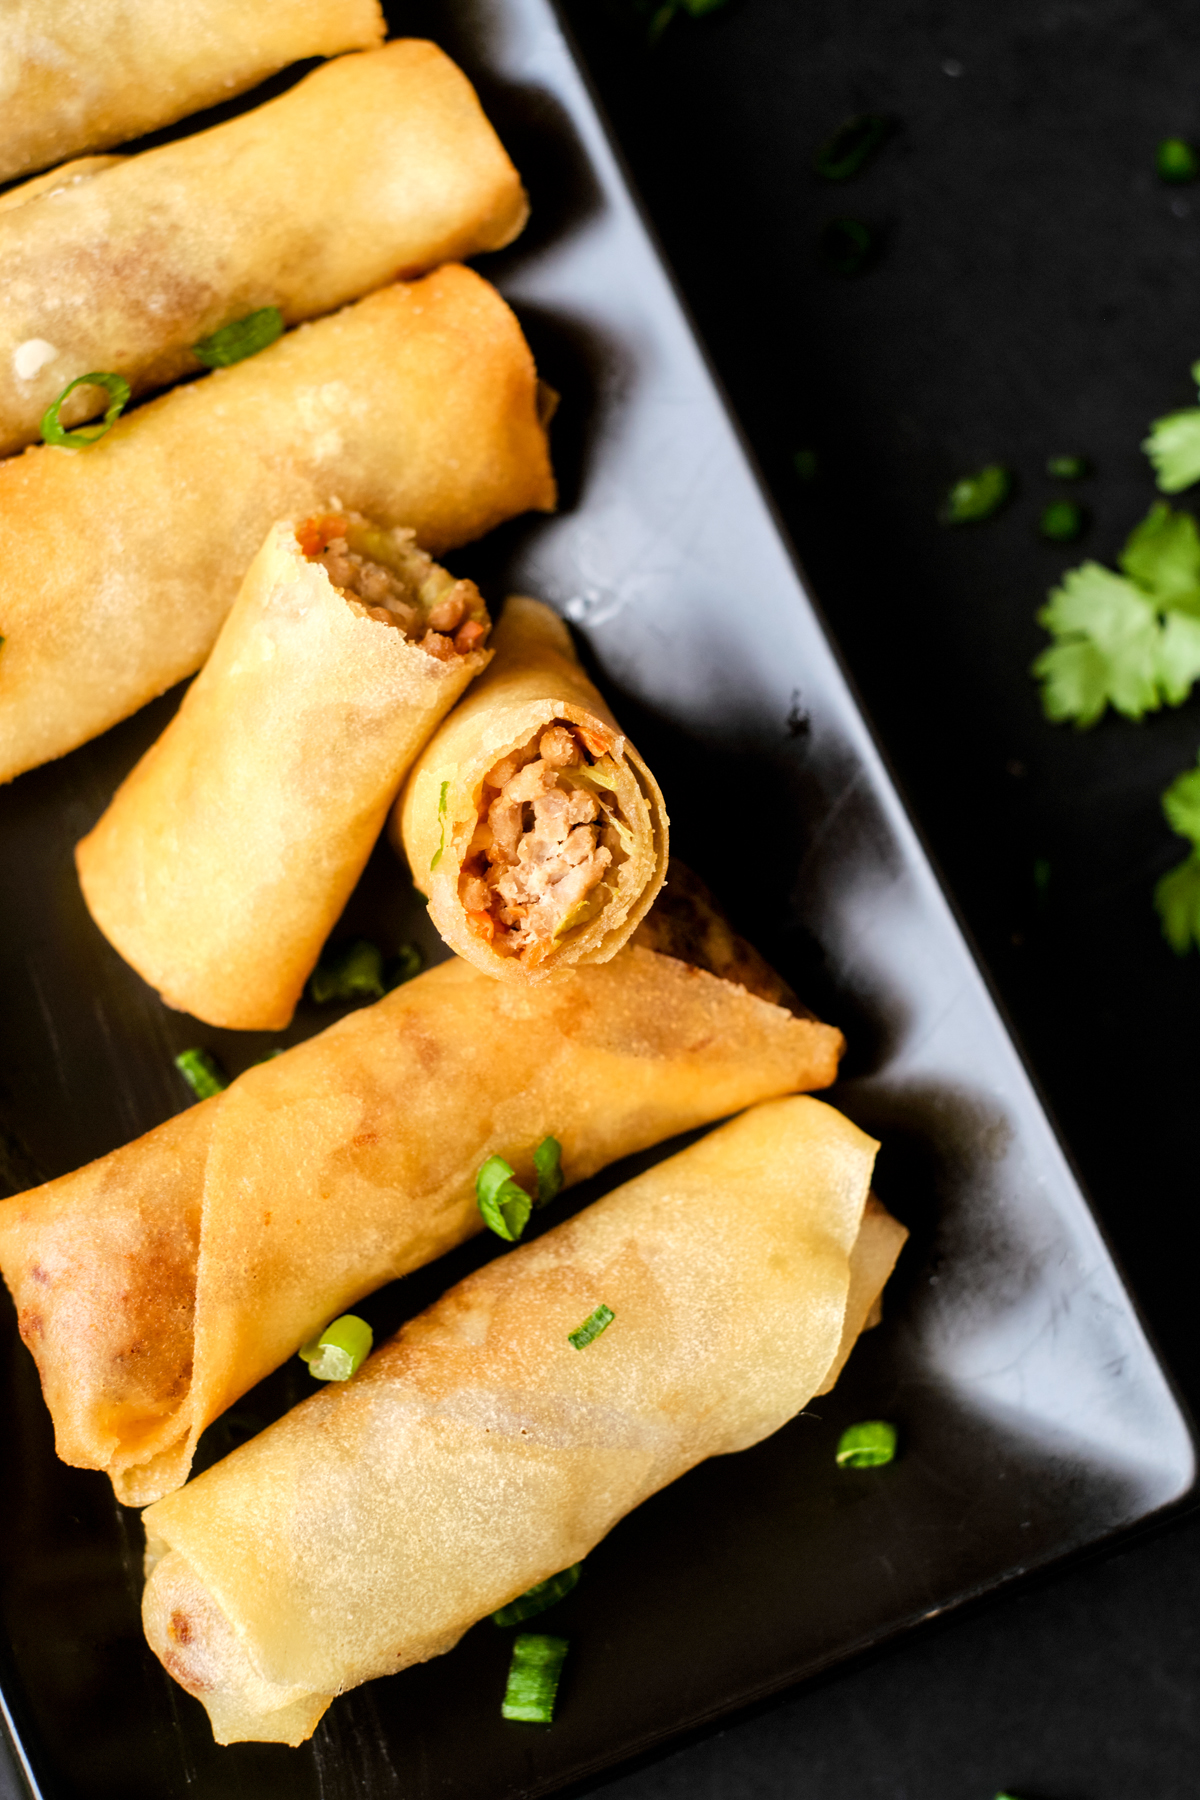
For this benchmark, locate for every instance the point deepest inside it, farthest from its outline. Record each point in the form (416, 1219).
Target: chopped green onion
(117, 389)
(335, 1353)
(1067, 468)
(533, 1677)
(978, 496)
(202, 1073)
(547, 1160)
(852, 145)
(867, 1446)
(847, 246)
(1061, 522)
(536, 1599)
(351, 971)
(437, 855)
(805, 464)
(505, 1206)
(592, 1326)
(244, 337)
(406, 963)
(1176, 161)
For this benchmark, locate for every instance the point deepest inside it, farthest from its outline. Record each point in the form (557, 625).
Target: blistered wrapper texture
(480, 1451)
(345, 1162)
(118, 563)
(371, 168)
(228, 853)
(75, 75)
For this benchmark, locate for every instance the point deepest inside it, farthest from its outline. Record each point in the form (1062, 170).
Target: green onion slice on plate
(867, 1445)
(117, 389)
(335, 1353)
(592, 1326)
(202, 1073)
(537, 1598)
(244, 337)
(533, 1676)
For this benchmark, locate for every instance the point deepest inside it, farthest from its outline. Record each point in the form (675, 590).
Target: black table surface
(1037, 292)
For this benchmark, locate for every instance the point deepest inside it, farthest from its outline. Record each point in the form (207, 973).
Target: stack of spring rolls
(275, 523)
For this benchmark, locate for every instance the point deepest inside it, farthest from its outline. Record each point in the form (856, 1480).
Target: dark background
(1037, 291)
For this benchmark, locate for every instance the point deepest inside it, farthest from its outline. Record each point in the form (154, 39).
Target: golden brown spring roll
(372, 167)
(159, 1283)
(118, 563)
(79, 77)
(228, 853)
(530, 821)
(481, 1451)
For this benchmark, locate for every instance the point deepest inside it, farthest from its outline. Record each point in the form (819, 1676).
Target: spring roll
(529, 820)
(372, 167)
(481, 1451)
(75, 77)
(228, 853)
(159, 1283)
(418, 406)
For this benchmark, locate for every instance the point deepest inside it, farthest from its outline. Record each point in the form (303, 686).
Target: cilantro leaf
(1181, 804)
(1179, 657)
(1162, 555)
(1177, 898)
(1174, 448)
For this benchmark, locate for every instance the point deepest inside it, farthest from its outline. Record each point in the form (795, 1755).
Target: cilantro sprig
(1130, 641)
(1174, 446)
(1177, 895)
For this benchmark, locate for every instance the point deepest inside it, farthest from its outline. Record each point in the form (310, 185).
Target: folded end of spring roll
(227, 855)
(482, 1450)
(530, 821)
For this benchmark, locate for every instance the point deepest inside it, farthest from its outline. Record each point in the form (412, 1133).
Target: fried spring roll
(480, 1451)
(159, 1283)
(535, 828)
(75, 77)
(118, 563)
(228, 853)
(372, 167)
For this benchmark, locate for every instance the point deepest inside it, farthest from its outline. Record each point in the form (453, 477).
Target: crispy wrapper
(480, 1451)
(535, 681)
(230, 850)
(79, 77)
(159, 1283)
(417, 406)
(371, 168)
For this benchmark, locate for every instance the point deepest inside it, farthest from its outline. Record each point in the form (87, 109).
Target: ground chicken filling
(393, 581)
(546, 843)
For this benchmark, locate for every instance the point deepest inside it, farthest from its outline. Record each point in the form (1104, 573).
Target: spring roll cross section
(349, 1160)
(228, 853)
(75, 76)
(535, 828)
(480, 1450)
(416, 407)
(371, 168)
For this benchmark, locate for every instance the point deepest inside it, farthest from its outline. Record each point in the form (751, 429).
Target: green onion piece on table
(351, 971)
(335, 1353)
(592, 1326)
(978, 496)
(117, 389)
(436, 858)
(202, 1073)
(1176, 161)
(851, 147)
(867, 1446)
(547, 1160)
(536, 1599)
(847, 246)
(1061, 521)
(400, 968)
(533, 1676)
(244, 337)
(504, 1204)
(1067, 468)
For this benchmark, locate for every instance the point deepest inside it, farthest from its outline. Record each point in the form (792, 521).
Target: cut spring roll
(530, 821)
(228, 853)
(371, 168)
(79, 77)
(159, 1283)
(481, 1450)
(418, 407)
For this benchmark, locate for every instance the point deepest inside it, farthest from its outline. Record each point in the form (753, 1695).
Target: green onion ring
(115, 386)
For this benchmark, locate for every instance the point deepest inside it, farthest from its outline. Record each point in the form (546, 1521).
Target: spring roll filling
(549, 845)
(386, 576)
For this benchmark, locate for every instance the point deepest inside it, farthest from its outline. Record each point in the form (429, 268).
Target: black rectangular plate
(1035, 1418)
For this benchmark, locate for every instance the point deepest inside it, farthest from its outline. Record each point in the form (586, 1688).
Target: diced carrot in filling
(541, 847)
(388, 577)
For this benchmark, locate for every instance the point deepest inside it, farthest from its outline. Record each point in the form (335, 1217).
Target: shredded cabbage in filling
(549, 837)
(389, 578)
